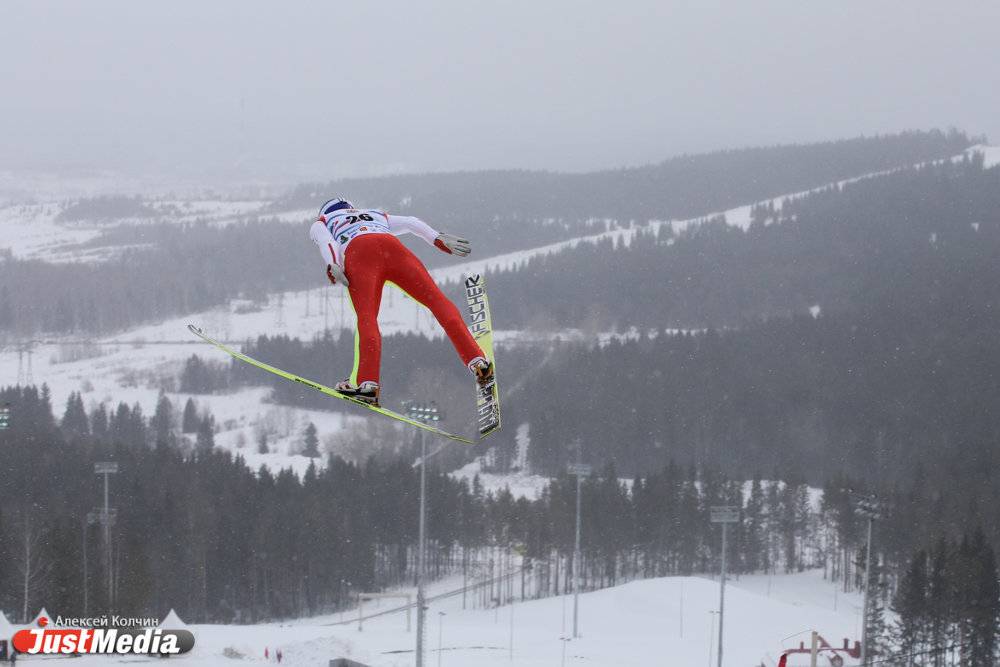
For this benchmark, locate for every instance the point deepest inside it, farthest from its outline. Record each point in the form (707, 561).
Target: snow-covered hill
(669, 621)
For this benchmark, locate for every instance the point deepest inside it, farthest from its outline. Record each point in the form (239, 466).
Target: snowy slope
(646, 622)
(738, 216)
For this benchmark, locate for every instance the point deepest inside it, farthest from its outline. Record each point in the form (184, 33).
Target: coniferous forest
(201, 533)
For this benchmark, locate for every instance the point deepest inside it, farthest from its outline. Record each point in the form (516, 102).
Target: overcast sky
(322, 89)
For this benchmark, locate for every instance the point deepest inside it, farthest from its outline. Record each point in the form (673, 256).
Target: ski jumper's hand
(453, 245)
(336, 275)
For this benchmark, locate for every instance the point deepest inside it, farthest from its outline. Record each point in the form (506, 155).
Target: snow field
(664, 621)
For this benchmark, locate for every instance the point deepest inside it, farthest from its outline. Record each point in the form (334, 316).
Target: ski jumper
(364, 244)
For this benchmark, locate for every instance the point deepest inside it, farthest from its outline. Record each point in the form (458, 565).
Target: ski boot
(367, 392)
(483, 370)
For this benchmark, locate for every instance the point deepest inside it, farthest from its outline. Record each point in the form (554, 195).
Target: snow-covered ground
(667, 621)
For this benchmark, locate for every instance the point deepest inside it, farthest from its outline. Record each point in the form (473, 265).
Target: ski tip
(195, 330)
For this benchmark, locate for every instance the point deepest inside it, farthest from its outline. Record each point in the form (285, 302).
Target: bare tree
(29, 559)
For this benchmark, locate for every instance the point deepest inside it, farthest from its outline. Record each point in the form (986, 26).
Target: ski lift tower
(723, 514)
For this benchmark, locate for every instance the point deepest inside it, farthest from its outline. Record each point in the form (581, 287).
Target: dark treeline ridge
(170, 269)
(908, 239)
(490, 206)
(873, 393)
(198, 531)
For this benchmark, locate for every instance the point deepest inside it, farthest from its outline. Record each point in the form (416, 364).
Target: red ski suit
(364, 244)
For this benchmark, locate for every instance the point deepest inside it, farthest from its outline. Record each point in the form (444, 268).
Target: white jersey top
(334, 232)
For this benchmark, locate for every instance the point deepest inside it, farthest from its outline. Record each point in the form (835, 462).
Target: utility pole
(725, 514)
(871, 509)
(580, 470)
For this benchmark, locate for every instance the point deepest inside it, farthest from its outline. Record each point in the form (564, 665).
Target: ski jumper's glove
(336, 275)
(453, 245)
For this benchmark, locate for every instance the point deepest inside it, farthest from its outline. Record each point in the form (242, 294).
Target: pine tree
(162, 418)
(189, 422)
(938, 602)
(913, 632)
(46, 420)
(135, 581)
(976, 596)
(311, 448)
(136, 426)
(878, 629)
(75, 418)
(754, 515)
(118, 423)
(205, 442)
(65, 554)
(6, 312)
(196, 377)
(99, 421)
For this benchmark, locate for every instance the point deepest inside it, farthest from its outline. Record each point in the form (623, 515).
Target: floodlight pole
(870, 508)
(106, 468)
(578, 469)
(576, 553)
(723, 515)
(722, 591)
(420, 561)
(423, 413)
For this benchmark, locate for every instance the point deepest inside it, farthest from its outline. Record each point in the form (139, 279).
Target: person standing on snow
(362, 253)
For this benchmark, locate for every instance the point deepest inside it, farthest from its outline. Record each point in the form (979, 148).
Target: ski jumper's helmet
(334, 205)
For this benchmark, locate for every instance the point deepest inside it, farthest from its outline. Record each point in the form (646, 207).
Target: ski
(487, 398)
(318, 387)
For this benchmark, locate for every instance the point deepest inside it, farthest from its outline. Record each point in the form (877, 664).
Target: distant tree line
(198, 531)
(164, 270)
(905, 240)
(489, 205)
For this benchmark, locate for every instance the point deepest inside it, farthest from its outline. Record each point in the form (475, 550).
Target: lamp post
(871, 509)
(424, 413)
(725, 514)
(107, 468)
(580, 470)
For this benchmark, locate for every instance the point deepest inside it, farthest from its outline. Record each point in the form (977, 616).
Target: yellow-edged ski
(487, 396)
(318, 387)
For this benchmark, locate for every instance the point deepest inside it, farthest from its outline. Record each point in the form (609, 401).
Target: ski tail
(488, 396)
(318, 387)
